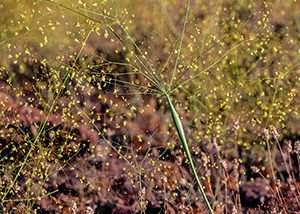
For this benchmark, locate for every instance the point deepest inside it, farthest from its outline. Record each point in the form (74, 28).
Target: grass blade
(180, 131)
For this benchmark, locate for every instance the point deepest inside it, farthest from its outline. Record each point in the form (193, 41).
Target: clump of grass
(228, 79)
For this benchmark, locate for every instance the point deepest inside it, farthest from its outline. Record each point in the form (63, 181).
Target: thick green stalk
(180, 131)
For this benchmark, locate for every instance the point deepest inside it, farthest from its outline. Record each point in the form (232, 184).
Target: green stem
(180, 131)
(180, 43)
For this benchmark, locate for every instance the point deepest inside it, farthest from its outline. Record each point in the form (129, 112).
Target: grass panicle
(166, 108)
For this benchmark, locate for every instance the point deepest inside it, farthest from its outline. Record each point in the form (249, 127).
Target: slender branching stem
(180, 43)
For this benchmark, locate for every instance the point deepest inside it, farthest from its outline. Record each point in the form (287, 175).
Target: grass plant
(215, 82)
(150, 74)
(154, 80)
